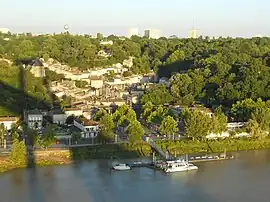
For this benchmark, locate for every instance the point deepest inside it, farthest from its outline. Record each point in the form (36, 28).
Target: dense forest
(210, 71)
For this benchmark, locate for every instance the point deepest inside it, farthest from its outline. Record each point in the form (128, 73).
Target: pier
(165, 155)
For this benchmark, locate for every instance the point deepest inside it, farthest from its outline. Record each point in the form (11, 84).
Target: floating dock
(158, 164)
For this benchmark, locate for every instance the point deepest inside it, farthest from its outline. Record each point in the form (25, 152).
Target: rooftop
(72, 109)
(87, 122)
(8, 118)
(57, 111)
(34, 111)
(95, 78)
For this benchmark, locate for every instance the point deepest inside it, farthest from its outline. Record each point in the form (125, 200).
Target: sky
(244, 18)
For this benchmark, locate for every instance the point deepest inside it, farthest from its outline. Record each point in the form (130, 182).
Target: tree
(168, 126)
(242, 110)
(70, 119)
(147, 110)
(119, 116)
(48, 137)
(81, 84)
(197, 124)
(99, 36)
(135, 131)
(158, 115)
(259, 124)
(177, 55)
(2, 134)
(219, 122)
(181, 88)
(158, 95)
(107, 126)
(99, 114)
(131, 115)
(17, 156)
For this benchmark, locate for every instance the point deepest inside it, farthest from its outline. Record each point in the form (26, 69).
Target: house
(96, 81)
(33, 118)
(103, 53)
(8, 121)
(73, 111)
(106, 42)
(89, 129)
(37, 68)
(58, 116)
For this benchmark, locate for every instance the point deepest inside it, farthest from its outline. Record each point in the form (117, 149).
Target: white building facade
(33, 119)
(8, 121)
(89, 129)
(73, 111)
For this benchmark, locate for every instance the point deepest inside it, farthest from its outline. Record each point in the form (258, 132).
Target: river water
(244, 179)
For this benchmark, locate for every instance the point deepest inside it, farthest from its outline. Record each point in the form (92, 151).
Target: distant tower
(194, 33)
(132, 32)
(152, 33)
(66, 28)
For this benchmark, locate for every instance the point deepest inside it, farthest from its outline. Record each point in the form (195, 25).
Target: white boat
(179, 166)
(121, 167)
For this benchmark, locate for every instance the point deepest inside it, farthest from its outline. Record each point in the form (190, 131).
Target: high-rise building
(152, 33)
(194, 34)
(133, 31)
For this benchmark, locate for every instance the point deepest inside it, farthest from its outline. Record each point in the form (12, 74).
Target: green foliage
(177, 55)
(81, 84)
(259, 123)
(107, 128)
(99, 114)
(181, 85)
(135, 131)
(48, 137)
(221, 71)
(13, 100)
(168, 126)
(158, 95)
(123, 115)
(17, 156)
(197, 124)
(157, 115)
(219, 122)
(242, 110)
(147, 110)
(52, 76)
(2, 134)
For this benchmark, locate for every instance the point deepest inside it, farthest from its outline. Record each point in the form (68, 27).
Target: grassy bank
(45, 158)
(188, 147)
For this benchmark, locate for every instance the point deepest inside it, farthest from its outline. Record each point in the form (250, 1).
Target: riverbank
(118, 151)
(42, 158)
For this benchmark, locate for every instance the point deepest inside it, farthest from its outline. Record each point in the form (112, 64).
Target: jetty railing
(164, 154)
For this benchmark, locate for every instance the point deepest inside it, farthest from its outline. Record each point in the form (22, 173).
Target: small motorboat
(121, 167)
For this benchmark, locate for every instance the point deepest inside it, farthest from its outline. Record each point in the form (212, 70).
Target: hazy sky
(212, 17)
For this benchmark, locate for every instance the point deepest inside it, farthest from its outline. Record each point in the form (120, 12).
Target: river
(244, 179)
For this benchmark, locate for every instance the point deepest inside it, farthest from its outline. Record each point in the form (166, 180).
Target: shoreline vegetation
(55, 157)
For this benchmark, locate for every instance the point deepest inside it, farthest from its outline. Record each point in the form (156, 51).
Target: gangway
(165, 155)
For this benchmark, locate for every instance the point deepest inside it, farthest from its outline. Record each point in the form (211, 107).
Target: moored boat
(121, 167)
(179, 166)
